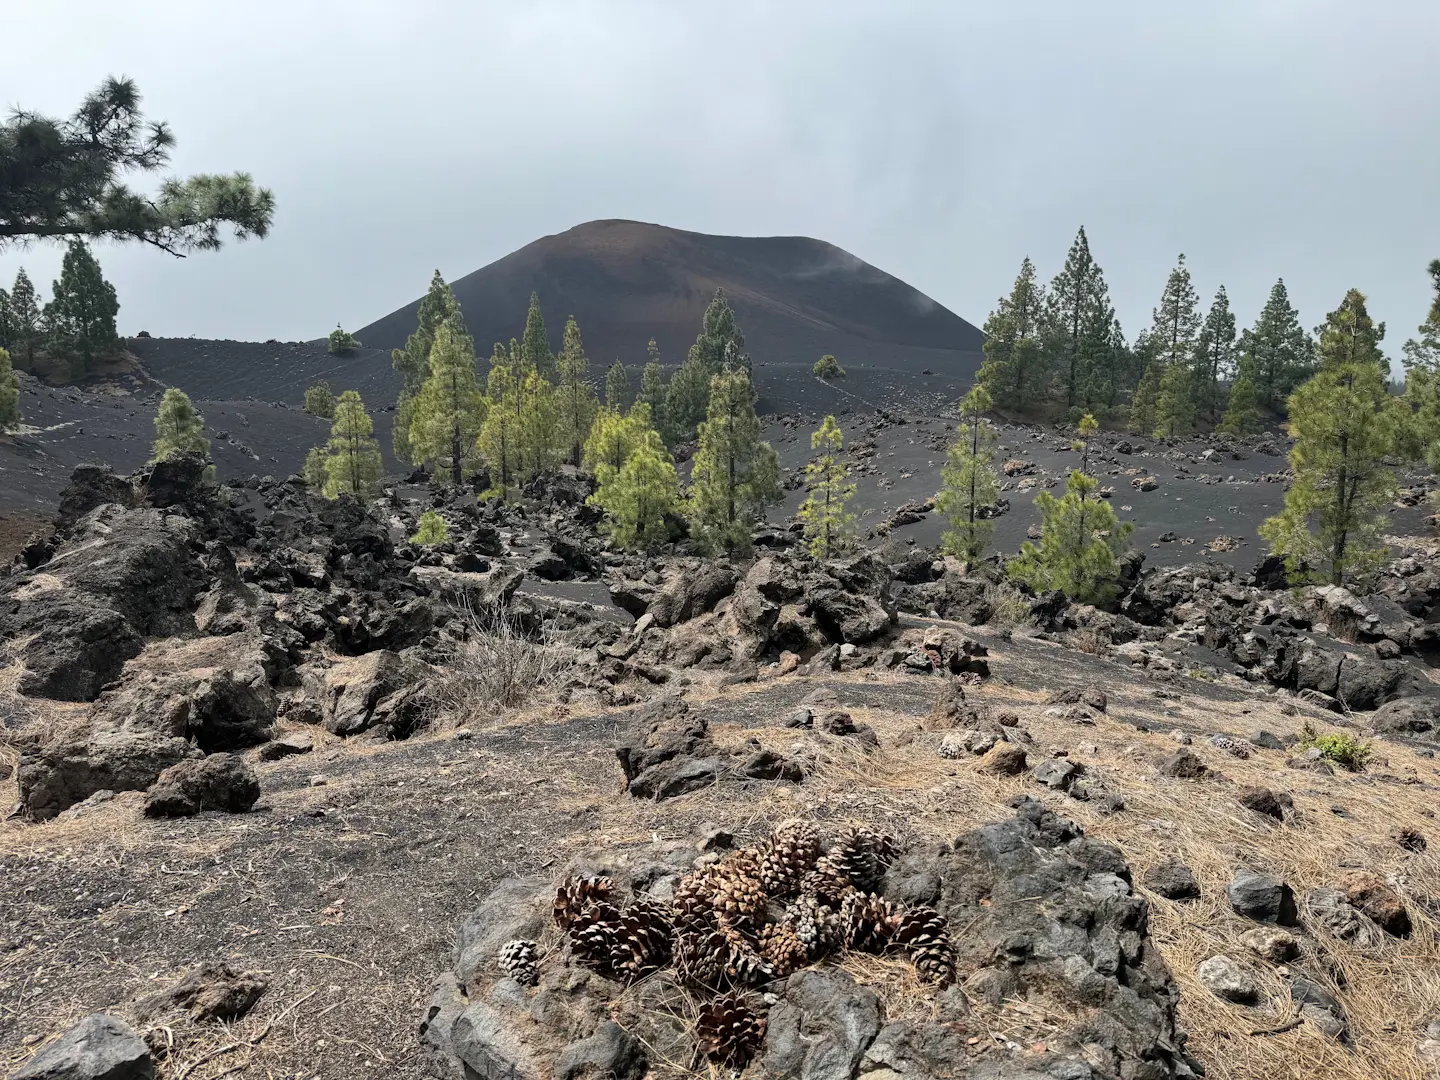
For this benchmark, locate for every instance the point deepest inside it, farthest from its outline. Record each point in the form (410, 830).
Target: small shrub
(342, 341)
(433, 529)
(320, 401)
(827, 367)
(1342, 749)
(498, 666)
(1010, 610)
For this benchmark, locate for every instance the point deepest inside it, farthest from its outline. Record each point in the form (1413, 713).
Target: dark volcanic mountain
(626, 281)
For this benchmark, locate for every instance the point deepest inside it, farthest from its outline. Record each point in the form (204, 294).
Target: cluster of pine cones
(761, 914)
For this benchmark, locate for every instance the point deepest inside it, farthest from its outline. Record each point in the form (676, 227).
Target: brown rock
(1005, 759)
(1185, 765)
(1264, 801)
(1368, 893)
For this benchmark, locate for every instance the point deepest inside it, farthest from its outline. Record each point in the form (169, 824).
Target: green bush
(827, 367)
(1344, 750)
(433, 529)
(320, 401)
(342, 341)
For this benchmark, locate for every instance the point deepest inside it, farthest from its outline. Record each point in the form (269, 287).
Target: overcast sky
(941, 141)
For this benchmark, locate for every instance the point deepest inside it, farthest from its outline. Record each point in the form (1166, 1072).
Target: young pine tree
(574, 399)
(1086, 429)
(25, 321)
(736, 475)
(829, 525)
(1281, 354)
(1345, 424)
(969, 483)
(1078, 318)
(1014, 368)
(320, 401)
(535, 345)
(352, 460)
(652, 386)
(81, 313)
(1145, 399)
(314, 471)
(450, 409)
(686, 398)
(179, 428)
(1214, 354)
(640, 495)
(1242, 413)
(413, 361)
(1422, 382)
(827, 367)
(432, 530)
(499, 438)
(9, 394)
(720, 342)
(1175, 402)
(617, 387)
(537, 426)
(613, 438)
(341, 341)
(1349, 336)
(1080, 542)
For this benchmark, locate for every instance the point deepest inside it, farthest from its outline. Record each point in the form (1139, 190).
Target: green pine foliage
(499, 442)
(1345, 425)
(1350, 336)
(827, 367)
(352, 459)
(437, 307)
(535, 345)
(575, 403)
(81, 314)
(63, 179)
(432, 530)
(1281, 354)
(639, 497)
(720, 342)
(1175, 402)
(450, 409)
(341, 341)
(320, 401)
(9, 394)
(539, 442)
(179, 428)
(1080, 544)
(1015, 371)
(1421, 356)
(25, 329)
(1143, 403)
(829, 525)
(652, 386)
(1214, 354)
(314, 471)
(686, 398)
(1078, 328)
(617, 387)
(613, 438)
(969, 483)
(1242, 412)
(736, 475)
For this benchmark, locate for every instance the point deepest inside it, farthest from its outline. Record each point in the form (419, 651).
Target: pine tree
(652, 387)
(1014, 368)
(81, 313)
(341, 341)
(1175, 324)
(1086, 430)
(413, 361)
(1422, 382)
(320, 401)
(640, 495)
(827, 367)
(1080, 542)
(574, 398)
(968, 479)
(314, 471)
(62, 178)
(535, 345)
(735, 475)
(1144, 401)
(352, 460)
(829, 525)
(1175, 402)
(7, 321)
(450, 409)
(538, 441)
(1281, 353)
(617, 387)
(1242, 413)
(613, 438)
(1078, 321)
(9, 394)
(720, 342)
(1344, 423)
(432, 530)
(1350, 336)
(686, 398)
(25, 321)
(1215, 353)
(499, 435)
(179, 428)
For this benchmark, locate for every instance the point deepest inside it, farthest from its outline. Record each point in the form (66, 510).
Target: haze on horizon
(941, 142)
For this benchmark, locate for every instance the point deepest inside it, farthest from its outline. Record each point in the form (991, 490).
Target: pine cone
(693, 907)
(520, 959)
(577, 893)
(926, 937)
(744, 966)
(783, 949)
(862, 856)
(642, 943)
(728, 1031)
(595, 938)
(816, 925)
(788, 856)
(868, 923)
(739, 898)
(700, 958)
(826, 883)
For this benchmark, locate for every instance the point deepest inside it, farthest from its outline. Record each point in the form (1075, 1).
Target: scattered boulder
(1226, 979)
(217, 782)
(380, 691)
(1056, 773)
(1319, 1006)
(1264, 801)
(214, 991)
(1172, 880)
(73, 767)
(100, 1047)
(1271, 943)
(1261, 897)
(288, 745)
(1184, 765)
(1006, 759)
(1367, 892)
(821, 1027)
